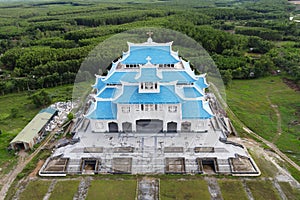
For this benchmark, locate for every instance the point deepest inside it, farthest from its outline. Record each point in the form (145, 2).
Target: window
(149, 85)
(137, 107)
(131, 66)
(172, 109)
(149, 107)
(125, 109)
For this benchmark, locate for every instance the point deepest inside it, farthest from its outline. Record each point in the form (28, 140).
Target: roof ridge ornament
(148, 59)
(149, 33)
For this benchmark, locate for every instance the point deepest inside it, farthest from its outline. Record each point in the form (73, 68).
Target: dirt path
(247, 189)
(36, 170)
(245, 128)
(22, 162)
(273, 147)
(148, 189)
(50, 189)
(83, 188)
(213, 188)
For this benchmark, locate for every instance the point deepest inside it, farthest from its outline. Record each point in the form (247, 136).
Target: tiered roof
(176, 85)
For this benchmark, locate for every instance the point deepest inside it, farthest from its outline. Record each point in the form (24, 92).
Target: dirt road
(8, 179)
(266, 142)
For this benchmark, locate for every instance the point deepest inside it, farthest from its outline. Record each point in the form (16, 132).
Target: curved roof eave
(206, 107)
(91, 110)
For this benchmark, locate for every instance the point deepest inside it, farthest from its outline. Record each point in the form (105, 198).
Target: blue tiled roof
(99, 84)
(148, 75)
(167, 76)
(180, 76)
(194, 110)
(158, 54)
(191, 92)
(107, 93)
(132, 96)
(117, 77)
(104, 110)
(201, 83)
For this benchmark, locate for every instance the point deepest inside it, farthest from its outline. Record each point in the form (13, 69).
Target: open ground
(278, 182)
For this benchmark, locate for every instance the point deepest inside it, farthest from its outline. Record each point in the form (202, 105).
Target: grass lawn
(290, 193)
(11, 126)
(251, 101)
(267, 168)
(35, 190)
(263, 190)
(65, 190)
(112, 189)
(189, 189)
(232, 189)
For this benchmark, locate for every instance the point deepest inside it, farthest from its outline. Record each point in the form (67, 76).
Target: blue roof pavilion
(149, 82)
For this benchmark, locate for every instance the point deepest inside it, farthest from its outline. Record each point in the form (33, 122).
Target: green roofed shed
(29, 135)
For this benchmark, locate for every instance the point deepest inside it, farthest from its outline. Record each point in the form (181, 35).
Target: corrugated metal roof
(34, 126)
(49, 110)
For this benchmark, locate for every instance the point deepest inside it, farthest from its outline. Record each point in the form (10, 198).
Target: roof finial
(148, 59)
(149, 33)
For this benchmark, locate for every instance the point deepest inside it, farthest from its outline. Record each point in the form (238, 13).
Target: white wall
(135, 113)
(100, 125)
(199, 125)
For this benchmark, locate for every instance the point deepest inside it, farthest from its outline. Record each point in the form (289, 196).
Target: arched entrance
(172, 127)
(113, 127)
(149, 126)
(127, 127)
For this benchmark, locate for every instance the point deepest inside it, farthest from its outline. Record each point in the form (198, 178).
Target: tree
(227, 77)
(70, 116)
(41, 98)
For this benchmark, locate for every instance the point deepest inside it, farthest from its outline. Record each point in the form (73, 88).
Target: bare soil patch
(290, 83)
(37, 168)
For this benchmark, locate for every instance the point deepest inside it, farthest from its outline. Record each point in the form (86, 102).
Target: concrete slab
(121, 165)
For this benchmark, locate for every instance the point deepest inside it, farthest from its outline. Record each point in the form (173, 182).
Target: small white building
(150, 89)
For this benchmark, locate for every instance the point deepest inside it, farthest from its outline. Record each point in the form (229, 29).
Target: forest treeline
(43, 44)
